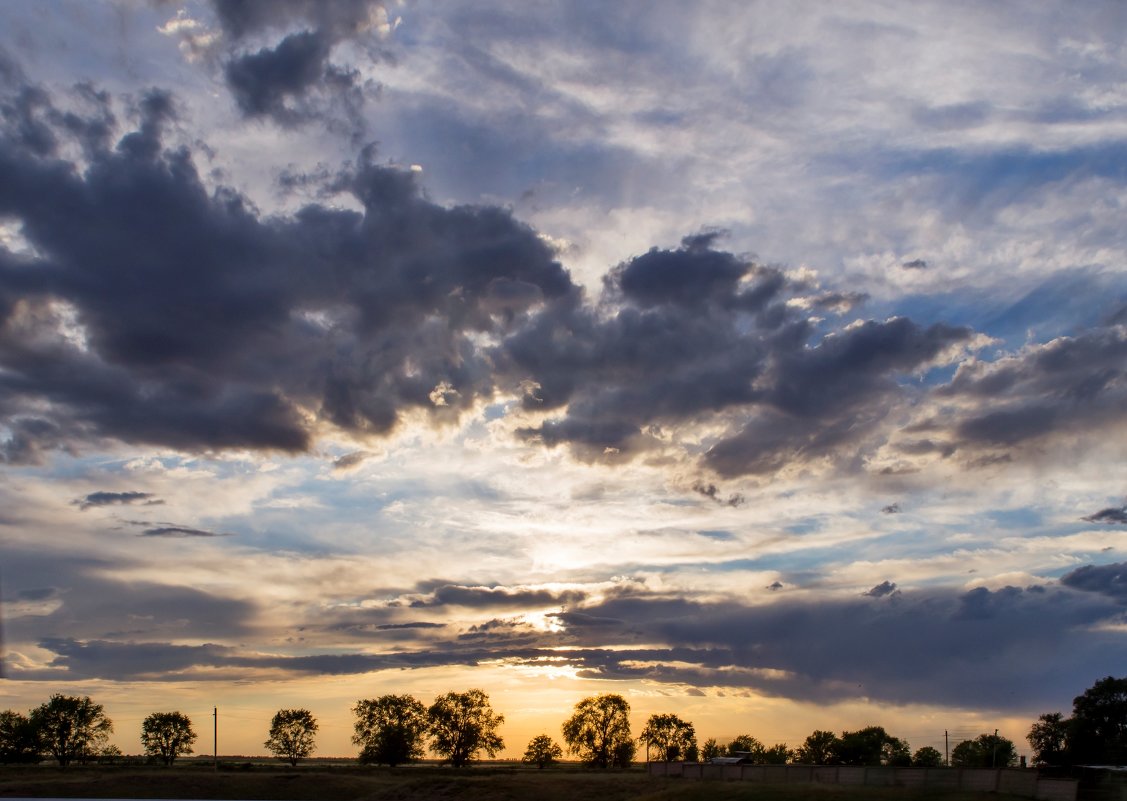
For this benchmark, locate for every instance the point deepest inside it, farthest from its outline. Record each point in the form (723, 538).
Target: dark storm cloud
(205, 324)
(180, 532)
(208, 326)
(488, 597)
(1109, 580)
(293, 81)
(1111, 515)
(882, 589)
(698, 332)
(711, 491)
(93, 604)
(1003, 649)
(28, 439)
(262, 82)
(1071, 385)
(95, 499)
(240, 18)
(823, 400)
(350, 460)
(163, 661)
(983, 647)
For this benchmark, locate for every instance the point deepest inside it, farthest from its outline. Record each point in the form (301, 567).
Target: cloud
(356, 318)
(241, 18)
(1109, 580)
(1112, 515)
(980, 648)
(710, 491)
(261, 82)
(891, 509)
(180, 532)
(883, 589)
(1074, 385)
(242, 325)
(700, 333)
(359, 319)
(87, 603)
(489, 597)
(114, 498)
(914, 264)
(350, 460)
(293, 82)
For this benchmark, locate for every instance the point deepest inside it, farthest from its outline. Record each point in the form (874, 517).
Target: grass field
(418, 783)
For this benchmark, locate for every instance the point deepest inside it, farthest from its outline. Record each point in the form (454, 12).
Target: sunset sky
(761, 362)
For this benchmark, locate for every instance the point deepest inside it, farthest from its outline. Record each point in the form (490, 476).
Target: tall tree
(1098, 732)
(71, 728)
(1049, 738)
(927, 757)
(778, 754)
(710, 750)
(461, 725)
(19, 741)
(895, 752)
(984, 751)
(598, 731)
(748, 747)
(819, 748)
(671, 737)
(292, 734)
(861, 747)
(390, 729)
(542, 750)
(167, 735)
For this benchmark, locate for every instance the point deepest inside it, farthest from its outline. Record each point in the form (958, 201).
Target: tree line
(459, 727)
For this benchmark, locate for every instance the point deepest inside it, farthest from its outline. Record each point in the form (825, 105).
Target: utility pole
(946, 749)
(215, 739)
(994, 753)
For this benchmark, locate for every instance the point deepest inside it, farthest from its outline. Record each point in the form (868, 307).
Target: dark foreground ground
(481, 783)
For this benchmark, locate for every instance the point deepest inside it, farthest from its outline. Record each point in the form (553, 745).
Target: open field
(483, 783)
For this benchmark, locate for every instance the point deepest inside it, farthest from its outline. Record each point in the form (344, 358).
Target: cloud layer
(716, 352)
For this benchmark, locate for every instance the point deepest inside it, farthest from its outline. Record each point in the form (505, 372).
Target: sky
(761, 362)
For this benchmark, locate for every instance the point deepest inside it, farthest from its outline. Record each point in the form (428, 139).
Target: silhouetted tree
(895, 752)
(871, 745)
(390, 729)
(19, 740)
(710, 749)
(71, 728)
(598, 732)
(670, 736)
(461, 724)
(167, 735)
(746, 746)
(291, 734)
(927, 757)
(109, 755)
(541, 751)
(778, 754)
(1098, 731)
(623, 754)
(820, 748)
(1048, 738)
(984, 751)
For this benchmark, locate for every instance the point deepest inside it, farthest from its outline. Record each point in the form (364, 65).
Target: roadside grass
(344, 782)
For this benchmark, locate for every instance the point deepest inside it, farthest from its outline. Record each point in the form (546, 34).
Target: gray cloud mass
(979, 648)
